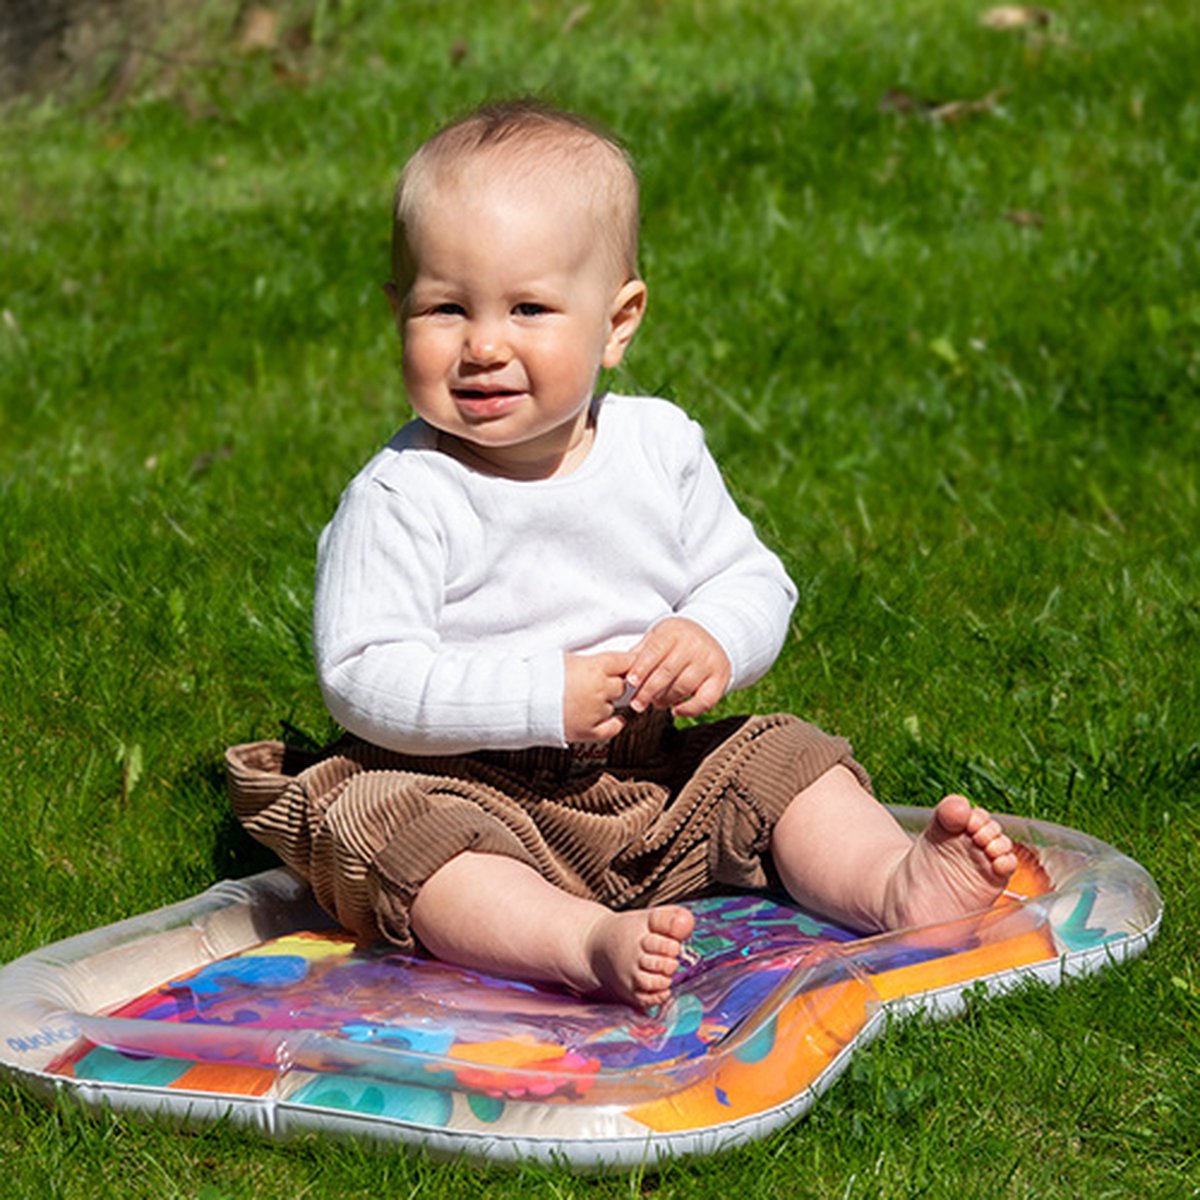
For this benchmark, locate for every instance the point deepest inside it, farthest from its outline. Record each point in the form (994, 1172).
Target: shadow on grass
(235, 854)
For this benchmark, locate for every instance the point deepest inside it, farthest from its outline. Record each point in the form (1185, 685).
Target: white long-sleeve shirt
(446, 597)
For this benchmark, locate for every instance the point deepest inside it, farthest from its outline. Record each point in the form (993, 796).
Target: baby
(519, 593)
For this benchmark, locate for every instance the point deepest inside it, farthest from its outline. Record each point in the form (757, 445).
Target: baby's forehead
(573, 178)
(519, 170)
(562, 197)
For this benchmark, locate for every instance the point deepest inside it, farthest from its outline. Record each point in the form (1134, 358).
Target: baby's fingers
(646, 657)
(689, 681)
(646, 677)
(658, 687)
(614, 664)
(704, 697)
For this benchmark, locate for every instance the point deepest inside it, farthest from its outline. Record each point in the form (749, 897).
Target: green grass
(974, 441)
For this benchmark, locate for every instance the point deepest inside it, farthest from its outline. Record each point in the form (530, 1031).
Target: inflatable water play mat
(244, 1002)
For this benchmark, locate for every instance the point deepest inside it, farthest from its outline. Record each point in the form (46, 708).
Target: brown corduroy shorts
(658, 814)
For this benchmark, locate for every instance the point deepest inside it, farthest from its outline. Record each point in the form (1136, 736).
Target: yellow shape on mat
(511, 1052)
(312, 946)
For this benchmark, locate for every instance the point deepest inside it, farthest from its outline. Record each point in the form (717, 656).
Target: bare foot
(634, 954)
(957, 865)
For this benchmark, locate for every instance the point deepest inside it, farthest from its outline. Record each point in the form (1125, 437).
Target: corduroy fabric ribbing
(672, 814)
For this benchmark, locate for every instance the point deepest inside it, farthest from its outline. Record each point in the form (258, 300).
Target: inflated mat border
(44, 1005)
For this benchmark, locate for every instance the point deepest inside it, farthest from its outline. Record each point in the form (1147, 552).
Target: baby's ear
(392, 292)
(628, 308)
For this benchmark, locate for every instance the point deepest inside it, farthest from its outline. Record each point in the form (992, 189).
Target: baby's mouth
(478, 393)
(485, 402)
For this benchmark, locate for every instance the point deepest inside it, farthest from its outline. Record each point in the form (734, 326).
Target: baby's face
(510, 311)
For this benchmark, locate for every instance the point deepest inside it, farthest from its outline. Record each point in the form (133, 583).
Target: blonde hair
(530, 138)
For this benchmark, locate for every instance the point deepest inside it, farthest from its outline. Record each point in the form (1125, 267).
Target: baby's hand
(592, 685)
(680, 666)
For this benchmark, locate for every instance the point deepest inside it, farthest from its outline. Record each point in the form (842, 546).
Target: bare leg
(842, 854)
(496, 914)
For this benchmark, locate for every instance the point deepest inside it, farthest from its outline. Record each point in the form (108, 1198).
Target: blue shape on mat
(111, 1066)
(398, 1101)
(262, 970)
(428, 1039)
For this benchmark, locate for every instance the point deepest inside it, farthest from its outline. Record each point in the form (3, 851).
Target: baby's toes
(1004, 856)
(652, 1001)
(671, 922)
(1001, 854)
(983, 832)
(954, 814)
(664, 947)
(657, 967)
(992, 840)
(650, 983)
(978, 823)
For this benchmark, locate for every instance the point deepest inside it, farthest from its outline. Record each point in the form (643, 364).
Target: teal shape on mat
(486, 1108)
(707, 904)
(423, 1106)
(710, 944)
(684, 1016)
(111, 1066)
(809, 926)
(756, 1048)
(1075, 933)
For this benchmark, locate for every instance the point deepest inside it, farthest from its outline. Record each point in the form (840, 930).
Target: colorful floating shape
(244, 1002)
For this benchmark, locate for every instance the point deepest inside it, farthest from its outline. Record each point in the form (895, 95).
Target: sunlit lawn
(948, 357)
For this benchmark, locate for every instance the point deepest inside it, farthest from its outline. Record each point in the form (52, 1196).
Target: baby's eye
(448, 309)
(529, 308)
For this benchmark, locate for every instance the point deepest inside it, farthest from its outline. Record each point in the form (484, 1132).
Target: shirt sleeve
(739, 590)
(382, 669)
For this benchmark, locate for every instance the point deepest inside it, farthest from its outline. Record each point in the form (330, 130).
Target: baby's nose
(484, 345)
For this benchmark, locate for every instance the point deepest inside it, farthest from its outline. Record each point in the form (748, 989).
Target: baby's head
(514, 260)
(532, 146)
